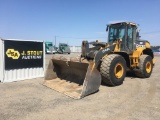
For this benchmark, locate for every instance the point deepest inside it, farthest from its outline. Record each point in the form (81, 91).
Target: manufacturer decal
(137, 45)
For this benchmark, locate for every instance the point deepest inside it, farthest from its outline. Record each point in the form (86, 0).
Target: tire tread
(105, 67)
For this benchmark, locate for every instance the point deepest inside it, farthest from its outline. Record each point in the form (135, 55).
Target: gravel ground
(135, 99)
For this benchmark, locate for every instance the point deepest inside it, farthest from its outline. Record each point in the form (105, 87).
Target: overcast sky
(75, 20)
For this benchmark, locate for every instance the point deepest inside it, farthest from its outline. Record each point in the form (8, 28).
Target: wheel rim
(118, 70)
(148, 67)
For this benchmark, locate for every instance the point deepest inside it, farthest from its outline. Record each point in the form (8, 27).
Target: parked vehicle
(63, 48)
(49, 48)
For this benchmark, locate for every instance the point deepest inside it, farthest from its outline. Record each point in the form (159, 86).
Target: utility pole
(55, 41)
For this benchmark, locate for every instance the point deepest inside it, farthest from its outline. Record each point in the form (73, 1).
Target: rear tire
(145, 67)
(113, 69)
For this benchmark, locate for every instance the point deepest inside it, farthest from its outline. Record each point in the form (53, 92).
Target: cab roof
(131, 23)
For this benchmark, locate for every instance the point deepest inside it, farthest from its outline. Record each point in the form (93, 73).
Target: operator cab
(126, 31)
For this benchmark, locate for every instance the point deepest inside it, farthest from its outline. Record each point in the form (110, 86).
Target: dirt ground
(135, 99)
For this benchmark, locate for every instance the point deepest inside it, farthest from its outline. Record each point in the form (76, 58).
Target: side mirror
(107, 28)
(137, 31)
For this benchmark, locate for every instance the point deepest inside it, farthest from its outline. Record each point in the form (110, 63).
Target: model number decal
(107, 49)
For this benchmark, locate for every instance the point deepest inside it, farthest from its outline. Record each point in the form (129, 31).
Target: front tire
(113, 69)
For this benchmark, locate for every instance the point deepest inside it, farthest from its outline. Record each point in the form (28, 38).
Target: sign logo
(23, 54)
(11, 53)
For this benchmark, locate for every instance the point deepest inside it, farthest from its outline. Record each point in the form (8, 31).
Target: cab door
(129, 40)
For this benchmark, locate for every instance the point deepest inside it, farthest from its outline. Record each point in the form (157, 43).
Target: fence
(75, 49)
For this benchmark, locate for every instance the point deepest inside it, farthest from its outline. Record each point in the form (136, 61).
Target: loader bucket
(74, 79)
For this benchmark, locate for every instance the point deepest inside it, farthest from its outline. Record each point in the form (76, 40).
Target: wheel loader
(101, 61)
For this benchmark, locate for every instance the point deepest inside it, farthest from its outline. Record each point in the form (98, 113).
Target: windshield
(64, 45)
(49, 44)
(116, 32)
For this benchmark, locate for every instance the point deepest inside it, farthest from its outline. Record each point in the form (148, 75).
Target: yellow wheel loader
(108, 62)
